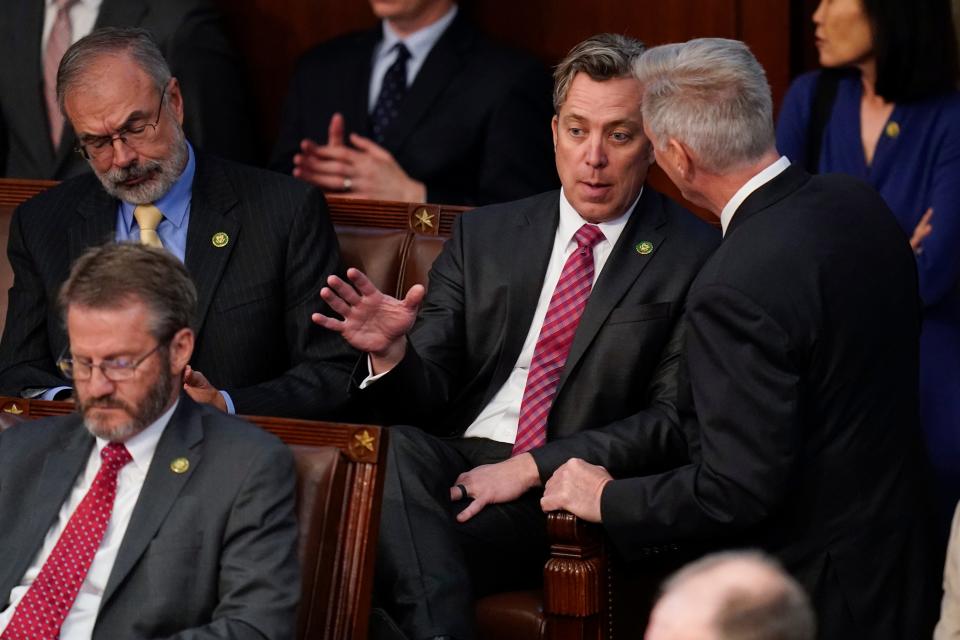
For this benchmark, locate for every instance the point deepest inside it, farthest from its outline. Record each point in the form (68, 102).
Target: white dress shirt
(749, 187)
(83, 15)
(419, 44)
(83, 615)
(499, 419)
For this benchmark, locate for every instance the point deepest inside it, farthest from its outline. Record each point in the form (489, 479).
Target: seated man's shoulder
(698, 234)
(66, 194)
(40, 435)
(255, 185)
(234, 432)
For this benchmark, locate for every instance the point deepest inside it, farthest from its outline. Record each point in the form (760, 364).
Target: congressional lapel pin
(644, 248)
(179, 465)
(220, 239)
(893, 129)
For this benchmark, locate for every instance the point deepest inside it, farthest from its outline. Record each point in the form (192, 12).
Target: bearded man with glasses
(143, 514)
(257, 244)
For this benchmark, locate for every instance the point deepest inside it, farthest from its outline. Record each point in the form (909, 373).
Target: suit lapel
(788, 181)
(181, 439)
(621, 270)
(357, 72)
(57, 477)
(531, 241)
(443, 63)
(97, 222)
(28, 73)
(212, 202)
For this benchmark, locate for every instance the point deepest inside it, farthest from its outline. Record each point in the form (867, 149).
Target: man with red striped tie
(550, 331)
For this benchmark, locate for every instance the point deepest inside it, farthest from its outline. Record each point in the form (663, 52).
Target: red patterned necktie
(556, 336)
(57, 44)
(45, 605)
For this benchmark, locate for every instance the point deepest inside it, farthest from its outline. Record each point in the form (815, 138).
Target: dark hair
(111, 275)
(602, 57)
(915, 46)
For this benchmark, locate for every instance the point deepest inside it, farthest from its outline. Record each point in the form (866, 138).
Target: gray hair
(136, 43)
(773, 608)
(602, 57)
(115, 274)
(712, 95)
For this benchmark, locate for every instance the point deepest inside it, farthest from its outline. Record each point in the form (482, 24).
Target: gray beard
(142, 416)
(166, 172)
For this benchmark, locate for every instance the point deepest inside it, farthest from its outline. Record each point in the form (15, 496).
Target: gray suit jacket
(254, 335)
(622, 365)
(209, 553)
(190, 34)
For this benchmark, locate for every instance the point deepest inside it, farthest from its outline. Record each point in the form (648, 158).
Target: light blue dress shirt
(419, 43)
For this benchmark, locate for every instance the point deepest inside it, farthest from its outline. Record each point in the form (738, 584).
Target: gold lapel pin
(220, 239)
(893, 129)
(644, 248)
(180, 465)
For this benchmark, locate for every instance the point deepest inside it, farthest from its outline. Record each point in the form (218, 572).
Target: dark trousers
(429, 566)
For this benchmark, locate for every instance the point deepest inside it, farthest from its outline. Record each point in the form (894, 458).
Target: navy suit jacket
(209, 553)
(255, 338)
(474, 126)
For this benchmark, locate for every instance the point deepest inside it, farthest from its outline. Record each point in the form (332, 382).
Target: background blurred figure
(886, 110)
(35, 142)
(949, 626)
(422, 107)
(732, 596)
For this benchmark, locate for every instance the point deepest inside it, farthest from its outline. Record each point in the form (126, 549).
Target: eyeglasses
(135, 135)
(115, 370)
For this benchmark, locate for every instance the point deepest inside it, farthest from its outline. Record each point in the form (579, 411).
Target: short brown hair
(114, 274)
(602, 57)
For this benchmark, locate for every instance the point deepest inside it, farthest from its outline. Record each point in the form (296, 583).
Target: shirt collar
(175, 202)
(419, 43)
(92, 4)
(751, 185)
(143, 445)
(571, 221)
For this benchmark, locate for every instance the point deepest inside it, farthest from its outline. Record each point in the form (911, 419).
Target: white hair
(712, 95)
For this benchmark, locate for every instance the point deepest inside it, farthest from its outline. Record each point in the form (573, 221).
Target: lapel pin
(644, 248)
(180, 465)
(220, 239)
(893, 129)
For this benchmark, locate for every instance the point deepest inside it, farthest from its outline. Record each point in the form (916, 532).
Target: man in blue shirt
(257, 244)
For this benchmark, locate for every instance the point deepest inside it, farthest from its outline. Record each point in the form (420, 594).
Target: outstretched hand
(372, 322)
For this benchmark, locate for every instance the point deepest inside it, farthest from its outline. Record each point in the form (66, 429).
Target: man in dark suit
(257, 244)
(801, 350)
(143, 515)
(511, 367)
(189, 33)
(450, 117)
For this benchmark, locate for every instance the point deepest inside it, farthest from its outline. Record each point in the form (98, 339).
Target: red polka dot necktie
(44, 607)
(553, 345)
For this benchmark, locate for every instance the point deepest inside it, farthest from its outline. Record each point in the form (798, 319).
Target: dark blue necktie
(392, 90)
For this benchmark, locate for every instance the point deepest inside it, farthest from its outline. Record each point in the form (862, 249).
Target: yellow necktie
(148, 217)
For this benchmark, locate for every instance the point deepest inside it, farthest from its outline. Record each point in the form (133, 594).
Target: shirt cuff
(51, 394)
(232, 410)
(371, 376)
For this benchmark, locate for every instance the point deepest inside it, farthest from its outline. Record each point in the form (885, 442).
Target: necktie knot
(588, 236)
(403, 54)
(148, 219)
(64, 5)
(115, 455)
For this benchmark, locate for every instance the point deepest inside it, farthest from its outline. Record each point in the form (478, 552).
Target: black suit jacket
(483, 292)
(254, 335)
(208, 553)
(801, 350)
(474, 126)
(218, 116)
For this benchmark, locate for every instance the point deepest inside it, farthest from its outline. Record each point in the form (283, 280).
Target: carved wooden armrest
(574, 578)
